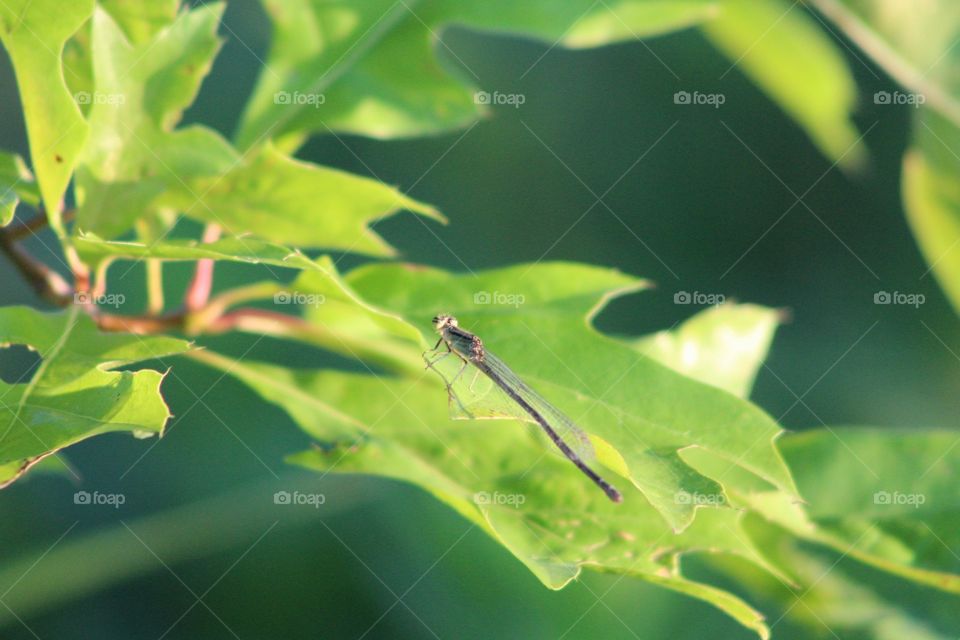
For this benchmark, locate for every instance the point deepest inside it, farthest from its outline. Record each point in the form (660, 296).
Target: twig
(258, 321)
(155, 302)
(200, 313)
(29, 228)
(199, 291)
(138, 324)
(45, 281)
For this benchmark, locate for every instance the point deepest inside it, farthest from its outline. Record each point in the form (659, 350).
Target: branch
(138, 324)
(259, 321)
(29, 228)
(45, 281)
(200, 313)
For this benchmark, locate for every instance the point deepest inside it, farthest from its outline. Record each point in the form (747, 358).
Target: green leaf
(498, 473)
(370, 68)
(95, 250)
(913, 42)
(898, 511)
(595, 380)
(932, 198)
(290, 201)
(143, 20)
(49, 465)
(825, 598)
(789, 55)
(723, 346)
(16, 184)
(395, 427)
(139, 164)
(76, 391)
(33, 33)
(915, 45)
(139, 94)
(339, 320)
(400, 427)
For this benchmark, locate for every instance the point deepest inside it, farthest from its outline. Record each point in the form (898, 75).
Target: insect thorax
(477, 348)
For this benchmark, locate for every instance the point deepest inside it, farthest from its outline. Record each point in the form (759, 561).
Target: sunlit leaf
(826, 598)
(76, 391)
(534, 319)
(497, 474)
(913, 42)
(794, 60)
(16, 184)
(139, 164)
(142, 20)
(723, 346)
(884, 497)
(932, 198)
(899, 503)
(94, 250)
(33, 33)
(371, 68)
(501, 474)
(139, 94)
(282, 199)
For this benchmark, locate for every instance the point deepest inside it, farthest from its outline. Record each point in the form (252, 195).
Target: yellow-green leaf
(76, 391)
(794, 60)
(33, 33)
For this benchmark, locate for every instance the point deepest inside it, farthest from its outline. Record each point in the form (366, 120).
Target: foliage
(704, 471)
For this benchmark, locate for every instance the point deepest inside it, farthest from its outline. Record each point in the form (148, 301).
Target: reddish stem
(248, 316)
(139, 324)
(199, 291)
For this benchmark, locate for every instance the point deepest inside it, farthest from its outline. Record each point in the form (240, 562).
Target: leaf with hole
(76, 390)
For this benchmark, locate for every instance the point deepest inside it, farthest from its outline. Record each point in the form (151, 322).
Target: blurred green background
(698, 213)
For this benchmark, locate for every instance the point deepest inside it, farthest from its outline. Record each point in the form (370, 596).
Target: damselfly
(471, 351)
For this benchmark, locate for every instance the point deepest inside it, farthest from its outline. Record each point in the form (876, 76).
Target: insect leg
(436, 347)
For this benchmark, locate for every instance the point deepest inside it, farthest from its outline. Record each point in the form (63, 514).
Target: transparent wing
(473, 395)
(563, 425)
